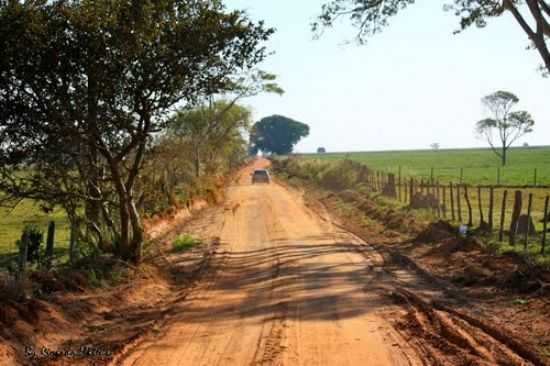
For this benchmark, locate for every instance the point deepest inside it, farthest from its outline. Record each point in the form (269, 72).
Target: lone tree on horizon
(509, 126)
(277, 135)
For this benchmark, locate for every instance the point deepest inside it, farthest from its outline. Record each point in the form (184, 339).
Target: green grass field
(479, 166)
(13, 221)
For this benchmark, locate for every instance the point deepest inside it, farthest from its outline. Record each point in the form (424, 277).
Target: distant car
(260, 176)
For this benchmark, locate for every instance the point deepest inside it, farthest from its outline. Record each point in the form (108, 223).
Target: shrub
(35, 237)
(184, 242)
(339, 176)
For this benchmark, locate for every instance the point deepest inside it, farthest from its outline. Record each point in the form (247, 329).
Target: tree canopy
(277, 134)
(371, 16)
(509, 126)
(85, 84)
(210, 129)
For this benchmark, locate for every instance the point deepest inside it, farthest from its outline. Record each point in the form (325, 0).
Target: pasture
(27, 212)
(478, 166)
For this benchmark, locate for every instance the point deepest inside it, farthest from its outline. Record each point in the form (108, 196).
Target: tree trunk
(197, 162)
(137, 232)
(123, 248)
(503, 155)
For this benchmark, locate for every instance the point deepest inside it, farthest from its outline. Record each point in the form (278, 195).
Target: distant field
(12, 223)
(479, 166)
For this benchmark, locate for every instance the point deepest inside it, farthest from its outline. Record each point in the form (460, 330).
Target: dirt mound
(351, 196)
(436, 232)
(449, 246)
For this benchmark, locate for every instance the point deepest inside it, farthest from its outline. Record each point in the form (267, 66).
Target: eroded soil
(282, 282)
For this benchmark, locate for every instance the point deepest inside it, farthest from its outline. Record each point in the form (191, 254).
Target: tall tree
(277, 134)
(509, 126)
(88, 83)
(210, 128)
(371, 16)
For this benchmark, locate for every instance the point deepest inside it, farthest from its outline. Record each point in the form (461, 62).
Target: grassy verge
(343, 180)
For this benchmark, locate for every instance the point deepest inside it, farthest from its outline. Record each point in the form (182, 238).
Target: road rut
(289, 288)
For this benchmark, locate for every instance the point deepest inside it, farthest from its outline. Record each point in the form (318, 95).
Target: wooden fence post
(458, 205)
(411, 191)
(467, 198)
(502, 215)
(528, 226)
(399, 182)
(73, 242)
(451, 195)
(544, 225)
(444, 206)
(515, 215)
(481, 219)
(438, 196)
(49, 244)
(491, 204)
(432, 176)
(22, 260)
(461, 175)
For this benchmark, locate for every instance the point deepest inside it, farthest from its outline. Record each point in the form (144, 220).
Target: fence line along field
(526, 166)
(28, 212)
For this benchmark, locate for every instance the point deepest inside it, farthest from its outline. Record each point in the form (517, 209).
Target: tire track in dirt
(292, 290)
(432, 324)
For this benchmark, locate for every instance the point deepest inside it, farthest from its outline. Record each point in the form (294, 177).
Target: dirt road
(290, 289)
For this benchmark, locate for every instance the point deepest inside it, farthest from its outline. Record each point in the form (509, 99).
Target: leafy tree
(509, 126)
(277, 134)
(210, 129)
(435, 146)
(321, 150)
(85, 84)
(371, 16)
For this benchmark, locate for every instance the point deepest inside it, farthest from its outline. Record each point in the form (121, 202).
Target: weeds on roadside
(184, 242)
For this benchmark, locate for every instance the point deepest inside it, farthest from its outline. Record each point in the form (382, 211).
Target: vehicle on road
(260, 176)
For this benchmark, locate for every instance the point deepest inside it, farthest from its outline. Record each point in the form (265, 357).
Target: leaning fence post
(23, 254)
(515, 215)
(49, 244)
(502, 216)
(470, 221)
(491, 203)
(481, 219)
(528, 226)
(544, 225)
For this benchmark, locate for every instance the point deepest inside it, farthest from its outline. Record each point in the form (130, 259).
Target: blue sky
(414, 84)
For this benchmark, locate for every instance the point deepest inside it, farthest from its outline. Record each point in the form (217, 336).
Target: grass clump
(184, 242)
